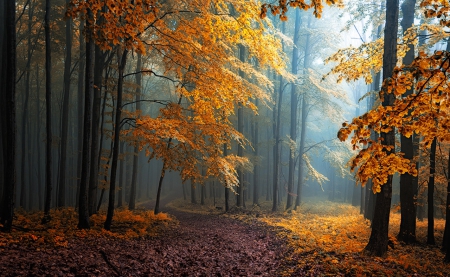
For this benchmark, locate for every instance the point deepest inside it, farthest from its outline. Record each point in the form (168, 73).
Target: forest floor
(321, 238)
(140, 244)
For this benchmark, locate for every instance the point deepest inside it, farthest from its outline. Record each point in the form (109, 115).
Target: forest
(224, 138)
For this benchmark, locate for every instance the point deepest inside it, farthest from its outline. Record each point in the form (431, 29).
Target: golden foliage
(425, 113)
(282, 7)
(331, 237)
(62, 228)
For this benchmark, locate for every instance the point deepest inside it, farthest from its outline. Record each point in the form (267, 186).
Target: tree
(61, 201)
(408, 191)
(83, 212)
(117, 122)
(132, 203)
(378, 241)
(48, 104)
(294, 105)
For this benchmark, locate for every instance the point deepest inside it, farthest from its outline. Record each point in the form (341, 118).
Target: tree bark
(240, 129)
(23, 174)
(132, 204)
(378, 241)
(96, 103)
(112, 180)
(408, 192)
(256, 168)
(65, 115)
(294, 106)
(48, 104)
(83, 212)
(304, 112)
(81, 73)
(430, 229)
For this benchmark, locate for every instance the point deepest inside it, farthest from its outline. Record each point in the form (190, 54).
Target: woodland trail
(200, 245)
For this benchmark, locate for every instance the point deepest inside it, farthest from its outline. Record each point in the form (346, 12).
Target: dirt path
(202, 245)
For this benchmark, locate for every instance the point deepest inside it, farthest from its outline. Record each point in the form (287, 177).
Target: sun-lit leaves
(280, 9)
(425, 113)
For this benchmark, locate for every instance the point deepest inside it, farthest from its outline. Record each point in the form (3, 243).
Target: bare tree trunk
(306, 64)
(121, 181)
(96, 103)
(257, 166)
(65, 116)
(23, 174)
(240, 127)
(430, 229)
(48, 104)
(294, 106)
(132, 204)
(112, 186)
(81, 73)
(83, 212)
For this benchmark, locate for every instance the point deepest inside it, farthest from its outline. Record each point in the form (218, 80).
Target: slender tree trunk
(81, 73)
(8, 115)
(193, 197)
(134, 175)
(24, 150)
(96, 103)
(83, 212)
(121, 181)
(38, 140)
(430, 229)
(158, 194)
(294, 106)
(240, 127)
(227, 190)
(257, 166)
(446, 240)
(48, 104)
(304, 113)
(378, 241)
(112, 186)
(65, 116)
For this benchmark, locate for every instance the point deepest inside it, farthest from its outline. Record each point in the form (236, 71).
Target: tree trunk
(430, 229)
(227, 190)
(378, 241)
(8, 115)
(240, 129)
(256, 168)
(48, 104)
(294, 106)
(446, 240)
(306, 64)
(112, 180)
(121, 181)
(408, 192)
(81, 73)
(83, 212)
(94, 156)
(23, 174)
(134, 176)
(65, 116)
(158, 194)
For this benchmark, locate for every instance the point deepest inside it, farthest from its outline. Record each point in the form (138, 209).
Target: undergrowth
(62, 228)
